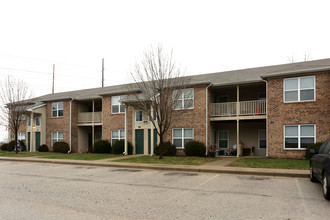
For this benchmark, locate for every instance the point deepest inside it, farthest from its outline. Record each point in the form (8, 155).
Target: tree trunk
(16, 142)
(161, 146)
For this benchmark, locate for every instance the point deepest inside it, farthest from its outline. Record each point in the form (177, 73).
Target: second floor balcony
(249, 109)
(88, 118)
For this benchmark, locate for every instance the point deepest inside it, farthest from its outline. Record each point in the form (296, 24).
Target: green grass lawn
(169, 160)
(53, 155)
(272, 163)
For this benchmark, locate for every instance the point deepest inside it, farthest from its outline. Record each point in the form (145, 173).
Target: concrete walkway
(212, 167)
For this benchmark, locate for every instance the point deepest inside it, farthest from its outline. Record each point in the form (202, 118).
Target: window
(116, 106)
(117, 135)
(153, 114)
(37, 121)
(262, 138)
(299, 89)
(57, 109)
(139, 115)
(21, 136)
(181, 136)
(183, 99)
(29, 121)
(223, 139)
(57, 136)
(298, 136)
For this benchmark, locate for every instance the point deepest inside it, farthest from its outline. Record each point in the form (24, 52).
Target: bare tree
(14, 98)
(307, 57)
(159, 81)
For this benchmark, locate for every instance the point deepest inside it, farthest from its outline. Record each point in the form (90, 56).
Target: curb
(182, 168)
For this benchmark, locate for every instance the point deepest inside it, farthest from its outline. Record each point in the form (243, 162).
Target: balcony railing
(87, 117)
(246, 108)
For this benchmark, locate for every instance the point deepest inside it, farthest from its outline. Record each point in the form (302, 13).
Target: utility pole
(53, 78)
(102, 72)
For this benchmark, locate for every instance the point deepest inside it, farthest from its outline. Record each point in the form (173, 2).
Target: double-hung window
(153, 114)
(37, 121)
(117, 135)
(299, 89)
(262, 141)
(138, 115)
(298, 136)
(57, 136)
(116, 105)
(57, 109)
(183, 99)
(21, 136)
(223, 139)
(181, 136)
(29, 121)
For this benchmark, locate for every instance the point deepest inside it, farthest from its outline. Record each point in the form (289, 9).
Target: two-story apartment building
(272, 111)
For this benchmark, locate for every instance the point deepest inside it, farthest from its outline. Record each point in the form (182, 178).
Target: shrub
(194, 148)
(102, 146)
(43, 148)
(168, 149)
(4, 147)
(61, 147)
(22, 146)
(316, 146)
(119, 147)
(11, 146)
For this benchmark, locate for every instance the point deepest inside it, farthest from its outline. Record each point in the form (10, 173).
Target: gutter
(266, 117)
(292, 72)
(207, 116)
(70, 124)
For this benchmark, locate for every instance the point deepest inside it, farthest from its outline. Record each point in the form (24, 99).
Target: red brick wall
(280, 114)
(63, 124)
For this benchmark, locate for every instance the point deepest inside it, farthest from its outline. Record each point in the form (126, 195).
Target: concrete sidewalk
(206, 168)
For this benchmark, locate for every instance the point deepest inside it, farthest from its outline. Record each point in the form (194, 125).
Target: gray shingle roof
(217, 79)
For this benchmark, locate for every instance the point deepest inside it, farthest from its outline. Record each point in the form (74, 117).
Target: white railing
(247, 108)
(87, 117)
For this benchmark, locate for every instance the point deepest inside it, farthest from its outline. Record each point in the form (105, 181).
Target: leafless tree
(307, 57)
(14, 104)
(159, 81)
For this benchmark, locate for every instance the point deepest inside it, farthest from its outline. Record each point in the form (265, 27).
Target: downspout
(266, 116)
(70, 124)
(207, 117)
(126, 151)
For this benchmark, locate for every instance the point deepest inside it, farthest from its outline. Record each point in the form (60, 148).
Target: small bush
(167, 148)
(102, 146)
(61, 147)
(119, 147)
(4, 147)
(43, 148)
(194, 148)
(316, 146)
(11, 146)
(22, 146)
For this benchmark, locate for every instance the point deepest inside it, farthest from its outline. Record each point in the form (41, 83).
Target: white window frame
(182, 137)
(182, 99)
(223, 139)
(19, 136)
(299, 89)
(36, 122)
(299, 136)
(53, 140)
(120, 131)
(57, 110)
(259, 139)
(119, 104)
(136, 111)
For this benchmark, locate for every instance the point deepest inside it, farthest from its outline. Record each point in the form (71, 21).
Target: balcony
(247, 109)
(86, 118)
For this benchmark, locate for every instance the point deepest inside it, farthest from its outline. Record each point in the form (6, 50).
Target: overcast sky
(206, 36)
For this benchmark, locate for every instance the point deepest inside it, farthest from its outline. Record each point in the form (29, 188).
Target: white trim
(183, 99)
(119, 133)
(299, 89)
(120, 104)
(182, 137)
(57, 110)
(223, 139)
(57, 139)
(299, 136)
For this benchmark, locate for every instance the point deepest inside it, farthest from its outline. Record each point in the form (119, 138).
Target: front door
(29, 141)
(37, 141)
(139, 141)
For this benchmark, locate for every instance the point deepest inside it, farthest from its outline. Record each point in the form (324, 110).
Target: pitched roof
(232, 77)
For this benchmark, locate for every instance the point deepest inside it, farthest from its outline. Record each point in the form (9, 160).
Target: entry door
(149, 141)
(139, 141)
(37, 141)
(29, 141)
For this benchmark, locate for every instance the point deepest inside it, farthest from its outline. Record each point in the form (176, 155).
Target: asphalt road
(54, 191)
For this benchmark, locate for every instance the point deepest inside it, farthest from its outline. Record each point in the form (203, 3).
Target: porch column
(93, 135)
(32, 139)
(125, 151)
(237, 120)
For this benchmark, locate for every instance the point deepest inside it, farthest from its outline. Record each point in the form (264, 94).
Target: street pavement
(58, 191)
